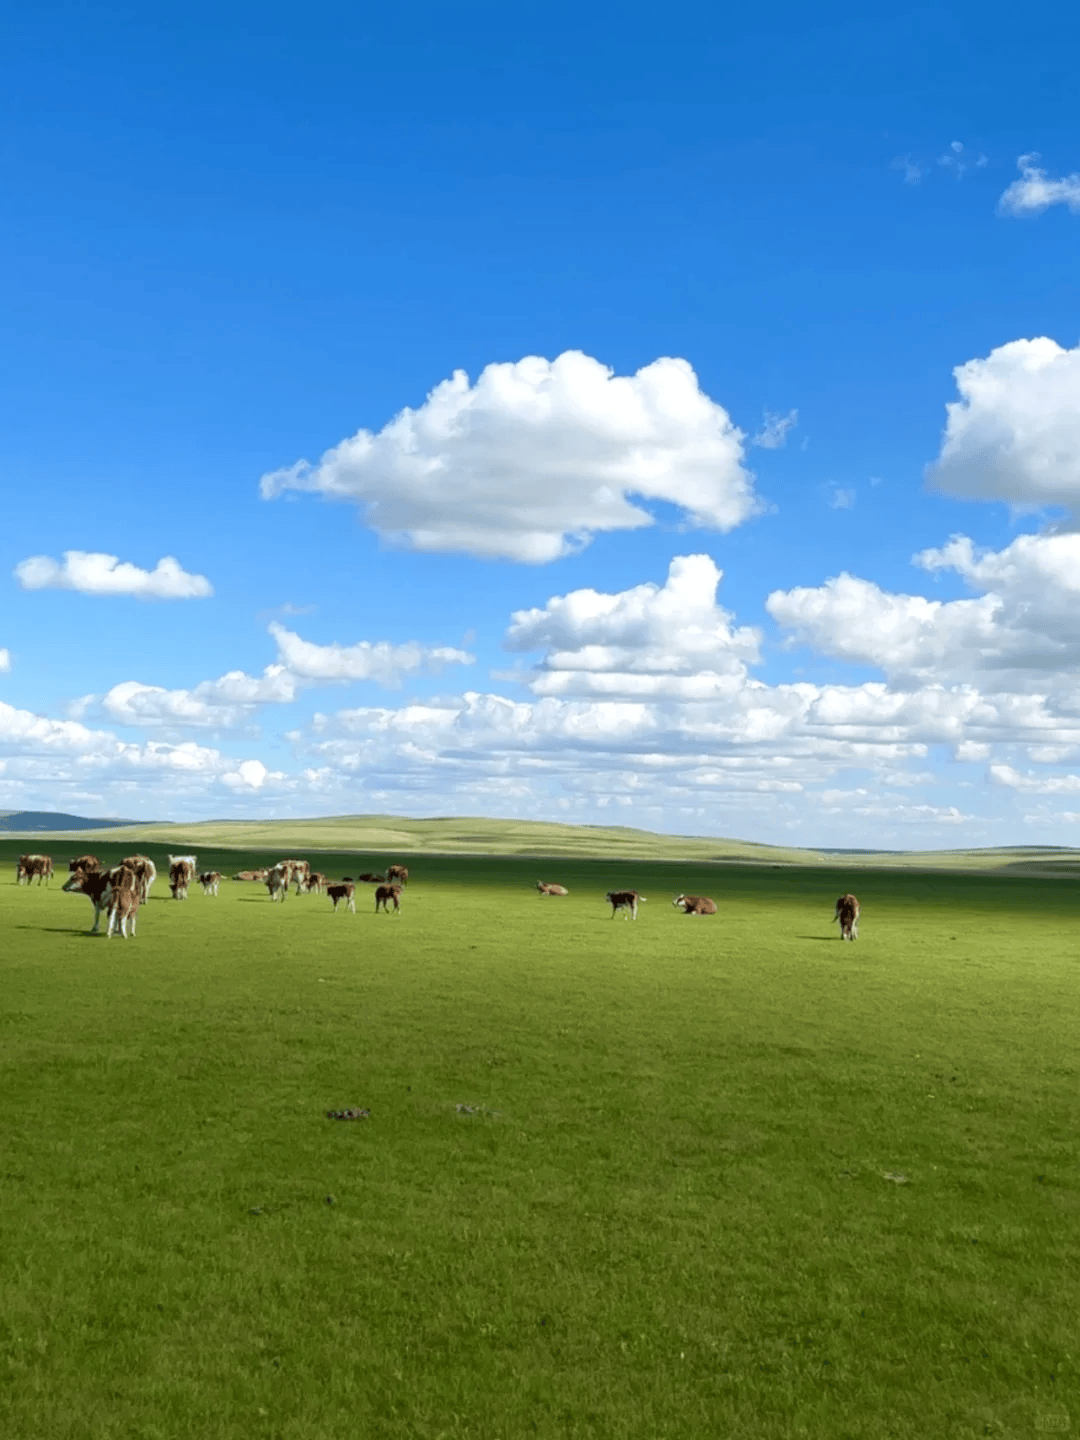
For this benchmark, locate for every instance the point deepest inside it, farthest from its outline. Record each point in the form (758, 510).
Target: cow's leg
(352, 905)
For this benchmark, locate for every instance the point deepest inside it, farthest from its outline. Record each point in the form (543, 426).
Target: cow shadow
(61, 930)
(827, 938)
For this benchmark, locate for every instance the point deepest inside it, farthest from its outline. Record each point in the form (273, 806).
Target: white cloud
(959, 160)
(219, 703)
(774, 430)
(1035, 191)
(1014, 434)
(5, 661)
(650, 640)
(367, 660)
(912, 170)
(536, 458)
(92, 573)
(840, 497)
(1035, 784)
(250, 775)
(971, 751)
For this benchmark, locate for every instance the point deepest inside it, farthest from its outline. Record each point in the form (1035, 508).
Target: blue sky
(235, 237)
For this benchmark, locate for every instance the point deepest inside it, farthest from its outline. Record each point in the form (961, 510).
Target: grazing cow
(181, 874)
(546, 887)
(277, 883)
(625, 900)
(259, 875)
(30, 865)
(397, 874)
(346, 892)
(695, 904)
(122, 905)
(847, 912)
(84, 863)
(210, 880)
(145, 872)
(316, 882)
(387, 895)
(98, 886)
(371, 879)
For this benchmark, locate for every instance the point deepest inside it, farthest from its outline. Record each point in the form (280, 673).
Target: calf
(145, 872)
(122, 905)
(387, 895)
(847, 912)
(548, 888)
(181, 874)
(695, 904)
(625, 900)
(210, 880)
(98, 886)
(316, 883)
(397, 874)
(30, 865)
(343, 892)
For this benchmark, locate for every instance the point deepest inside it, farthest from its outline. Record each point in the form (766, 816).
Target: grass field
(666, 1215)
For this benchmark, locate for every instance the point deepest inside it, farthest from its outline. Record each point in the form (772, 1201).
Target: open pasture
(664, 1214)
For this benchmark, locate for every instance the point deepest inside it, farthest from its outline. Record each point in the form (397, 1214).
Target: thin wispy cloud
(1035, 191)
(958, 160)
(840, 497)
(774, 430)
(911, 171)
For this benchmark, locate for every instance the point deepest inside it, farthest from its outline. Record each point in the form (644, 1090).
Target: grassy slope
(391, 835)
(676, 1225)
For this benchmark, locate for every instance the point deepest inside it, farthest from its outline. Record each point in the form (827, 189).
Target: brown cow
(695, 904)
(547, 887)
(145, 872)
(847, 912)
(387, 895)
(98, 885)
(210, 880)
(30, 865)
(84, 863)
(122, 905)
(345, 892)
(370, 879)
(181, 874)
(397, 873)
(625, 900)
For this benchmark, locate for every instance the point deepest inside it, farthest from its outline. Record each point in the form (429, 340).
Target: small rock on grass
(353, 1114)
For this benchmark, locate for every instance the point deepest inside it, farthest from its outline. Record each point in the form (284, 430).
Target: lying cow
(145, 872)
(847, 912)
(259, 875)
(346, 892)
(387, 895)
(122, 906)
(370, 879)
(547, 888)
(625, 900)
(695, 904)
(98, 887)
(397, 874)
(181, 874)
(28, 866)
(210, 880)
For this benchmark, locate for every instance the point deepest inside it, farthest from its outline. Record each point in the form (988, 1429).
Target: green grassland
(665, 1216)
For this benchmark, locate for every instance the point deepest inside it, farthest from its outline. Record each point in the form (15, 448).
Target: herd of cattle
(118, 892)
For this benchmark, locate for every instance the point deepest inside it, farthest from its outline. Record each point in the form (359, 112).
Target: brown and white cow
(346, 892)
(547, 887)
(30, 865)
(98, 885)
(210, 880)
(298, 872)
(181, 874)
(145, 872)
(85, 863)
(695, 904)
(277, 882)
(259, 875)
(397, 874)
(625, 900)
(316, 882)
(847, 912)
(122, 906)
(387, 895)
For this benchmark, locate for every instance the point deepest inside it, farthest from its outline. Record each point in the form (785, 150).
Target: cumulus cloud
(1035, 784)
(366, 660)
(218, 703)
(1035, 191)
(774, 430)
(92, 573)
(650, 640)
(536, 458)
(1014, 434)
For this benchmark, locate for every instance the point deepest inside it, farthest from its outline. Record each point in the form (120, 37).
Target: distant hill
(28, 820)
